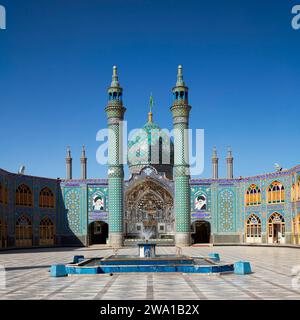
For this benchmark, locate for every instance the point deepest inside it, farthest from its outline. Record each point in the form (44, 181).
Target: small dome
(151, 145)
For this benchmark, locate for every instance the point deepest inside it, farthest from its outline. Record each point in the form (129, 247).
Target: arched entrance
(98, 232)
(24, 232)
(149, 211)
(47, 233)
(201, 232)
(276, 228)
(253, 229)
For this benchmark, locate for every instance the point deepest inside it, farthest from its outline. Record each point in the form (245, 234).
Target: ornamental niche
(149, 208)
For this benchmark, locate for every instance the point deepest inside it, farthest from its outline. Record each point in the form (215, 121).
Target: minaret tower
(115, 115)
(215, 164)
(229, 161)
(83, 163)
(180, 111)
(68, 164)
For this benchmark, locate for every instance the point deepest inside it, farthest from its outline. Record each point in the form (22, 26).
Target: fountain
(149, 263)
(146, 248)
(147, 260)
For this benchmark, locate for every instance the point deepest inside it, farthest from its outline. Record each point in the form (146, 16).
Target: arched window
(46, 199)
(23, 232)
(47, 233)
(276, 192)
(24, 196)
(253, 196)
(253, 229)
(276, 228)
(297, 197)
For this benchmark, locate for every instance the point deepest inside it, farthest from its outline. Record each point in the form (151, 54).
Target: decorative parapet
(272, 175)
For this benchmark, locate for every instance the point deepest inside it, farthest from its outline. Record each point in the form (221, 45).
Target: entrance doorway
(253, 229)
(276, 228)
(24, 232)
(276, 232)
(149, 210)
(201, 232)
(47, 233)
(98, 232)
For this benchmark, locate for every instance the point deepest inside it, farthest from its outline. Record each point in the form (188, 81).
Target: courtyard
(28, 277)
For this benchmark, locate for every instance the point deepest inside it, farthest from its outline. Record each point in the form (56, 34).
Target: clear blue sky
(240, 58)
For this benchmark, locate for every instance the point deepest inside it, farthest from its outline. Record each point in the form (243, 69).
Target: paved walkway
(28, 276)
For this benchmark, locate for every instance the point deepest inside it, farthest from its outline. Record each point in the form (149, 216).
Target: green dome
(150, 145)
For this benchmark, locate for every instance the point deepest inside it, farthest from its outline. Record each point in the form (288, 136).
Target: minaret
(83, 163)
(215, 164)
(229, 161)
(115, 115)
(68, 164)
(180, 111)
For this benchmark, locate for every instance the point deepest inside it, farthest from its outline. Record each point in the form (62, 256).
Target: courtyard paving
(27, 276)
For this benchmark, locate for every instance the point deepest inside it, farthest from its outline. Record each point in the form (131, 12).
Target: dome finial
(115, 80)
(151, 103)
(180, 81)
(83, 151)
(229, 152)
(214, 152)
(68, 152)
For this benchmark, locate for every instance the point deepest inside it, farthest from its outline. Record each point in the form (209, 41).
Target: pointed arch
(47, 232)
(253, 229)
(24, 196)
(276, 228)
(98, 232)
(149, 208)
(23, 231)
(275, 193)
(46, 198)
(253, 196)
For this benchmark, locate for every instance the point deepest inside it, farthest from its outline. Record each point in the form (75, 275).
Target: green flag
(151, 102)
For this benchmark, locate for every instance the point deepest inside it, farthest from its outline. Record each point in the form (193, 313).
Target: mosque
(159, 198)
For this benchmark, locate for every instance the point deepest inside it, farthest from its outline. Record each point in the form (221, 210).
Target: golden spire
(150, 115)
